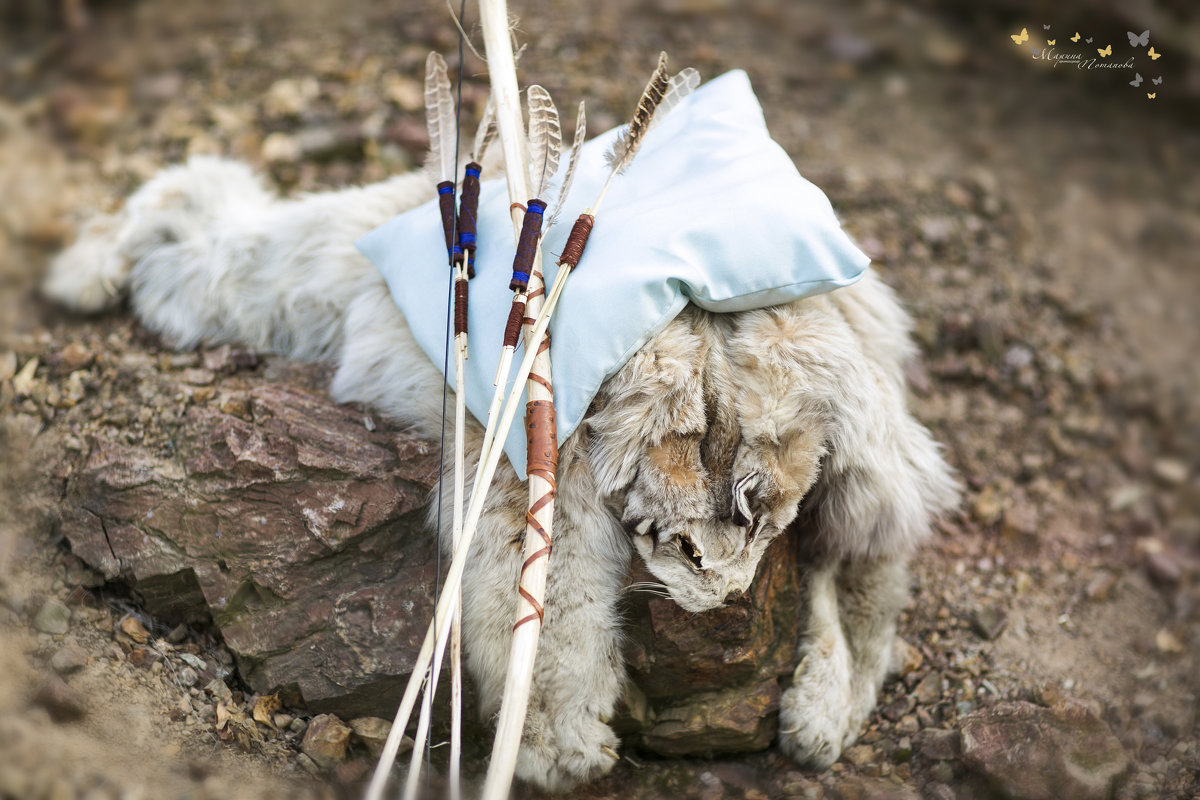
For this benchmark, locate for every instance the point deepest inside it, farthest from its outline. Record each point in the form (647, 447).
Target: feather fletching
(576, 146)
(630, 140)
(439, 115)
(486, 131)
(679, 87)
(545, 139)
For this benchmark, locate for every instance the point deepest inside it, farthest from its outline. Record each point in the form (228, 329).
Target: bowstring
(445, 383)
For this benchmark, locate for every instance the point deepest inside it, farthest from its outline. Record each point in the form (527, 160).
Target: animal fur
(696, 454)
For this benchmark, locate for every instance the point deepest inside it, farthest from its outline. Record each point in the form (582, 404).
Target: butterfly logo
(1075, 38)
(1088, 40)
(1045, 27)
(1157, 81)
(1105, 52)
(1137, 40)
(1051, 42)
(1152, 95)
(1136, 81)
(1022, 37)
(1153, 55)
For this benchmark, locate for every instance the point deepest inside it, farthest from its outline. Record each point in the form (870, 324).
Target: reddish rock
(1028, 752)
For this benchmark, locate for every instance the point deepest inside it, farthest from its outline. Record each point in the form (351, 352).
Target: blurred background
(1041, 223)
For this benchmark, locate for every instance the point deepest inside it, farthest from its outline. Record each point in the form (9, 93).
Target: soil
(1038, 222)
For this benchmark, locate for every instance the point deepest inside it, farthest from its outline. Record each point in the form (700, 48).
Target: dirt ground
(1041, 224)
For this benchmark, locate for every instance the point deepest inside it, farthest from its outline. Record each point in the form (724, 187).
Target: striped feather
(545, 139)
(439, 115)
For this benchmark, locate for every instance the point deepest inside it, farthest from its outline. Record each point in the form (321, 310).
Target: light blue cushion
(712, 212)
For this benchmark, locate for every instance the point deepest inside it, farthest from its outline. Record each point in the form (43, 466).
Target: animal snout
(733, 595)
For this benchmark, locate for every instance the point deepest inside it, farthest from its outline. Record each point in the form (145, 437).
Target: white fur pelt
(701, 450)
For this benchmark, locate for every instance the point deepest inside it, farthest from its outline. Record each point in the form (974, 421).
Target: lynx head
(704, 456)
(724, 428)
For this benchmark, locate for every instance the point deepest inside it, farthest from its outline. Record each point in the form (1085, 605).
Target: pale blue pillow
(712, 212)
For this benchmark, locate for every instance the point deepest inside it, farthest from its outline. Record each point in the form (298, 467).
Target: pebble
(69, 659)
(325, 740)
(1100, 587)
(929, 689)
(989, 622)
(1163, 569)
(1170, 471)
(373, 732)
(188, 676)
(53, 617)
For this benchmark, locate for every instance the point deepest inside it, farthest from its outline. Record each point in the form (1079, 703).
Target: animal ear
(657, 395)
(883, 479)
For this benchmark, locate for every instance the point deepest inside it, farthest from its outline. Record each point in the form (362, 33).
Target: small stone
(937, 744)
(8, 365)
(871, 789)
(909, 723)
(63, 703)
(131, 630)
(1171, 471)
(936, 230)
(23, 381)
(899, 708)
(221, 692)
(989, 622)
(372, 732)
(929, 689)
(290, 97)
(188, 676)
(1168, 643)
(308, 765)
(280, 148)
(69, 659)
(325, 740)
(1163, 569)
(908, 657)
(282, 721)
(237, 405)
(298, 726)
(197, 376)
(193, 661)
(859, 754)
(53, 617)
(1100, 587)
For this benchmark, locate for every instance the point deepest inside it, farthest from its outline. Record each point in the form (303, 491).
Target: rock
(1034, 753)
(989, 621)
(929, 689)
(1163, 569)
(859, 755)
(290, 97)
(72, 357)
(280, 148)
(871, 789)
(63, 703)
(131, 630)
(1170, 471)
(716, 722)
(69, 659)
(372, 732)
(936, 744)
(53, 617)
(1100, 587)
(325, 741)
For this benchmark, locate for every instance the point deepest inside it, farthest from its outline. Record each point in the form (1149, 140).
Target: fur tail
(206, 254)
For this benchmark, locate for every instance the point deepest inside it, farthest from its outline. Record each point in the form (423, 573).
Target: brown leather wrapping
(512, 329)
(531, 231)
(573, 249)
(460, 306)
(541, 431)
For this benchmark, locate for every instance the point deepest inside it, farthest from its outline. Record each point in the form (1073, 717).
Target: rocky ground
(1038, 223)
